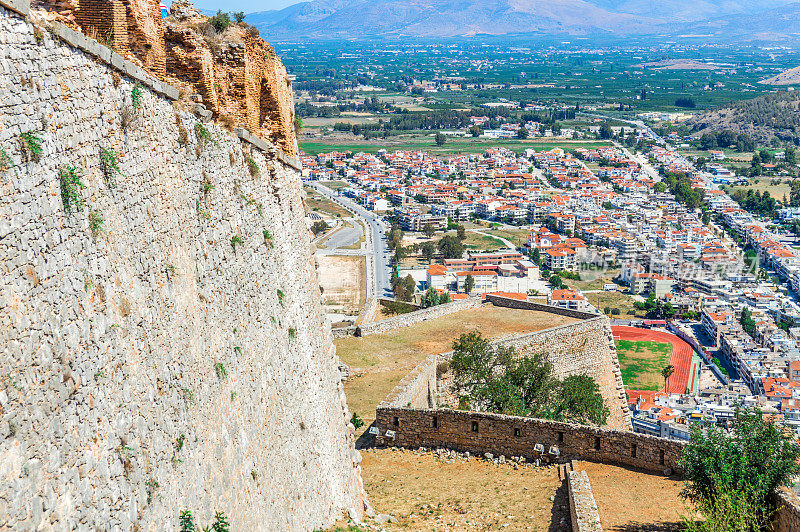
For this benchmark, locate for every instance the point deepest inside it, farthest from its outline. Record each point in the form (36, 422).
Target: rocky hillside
(762, 118)
(163, 345)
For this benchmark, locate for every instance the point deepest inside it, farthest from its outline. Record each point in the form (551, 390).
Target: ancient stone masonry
(582, 506)
(235, 75)
(162, 342)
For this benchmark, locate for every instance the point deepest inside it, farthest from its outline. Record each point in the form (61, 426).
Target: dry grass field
(424, 492)
(343, 280)
(378, 362)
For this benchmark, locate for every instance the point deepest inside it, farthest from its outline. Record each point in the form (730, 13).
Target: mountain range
(348, 19)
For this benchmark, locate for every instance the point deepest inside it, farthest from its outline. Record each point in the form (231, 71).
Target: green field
(452, 146)
(641, 363)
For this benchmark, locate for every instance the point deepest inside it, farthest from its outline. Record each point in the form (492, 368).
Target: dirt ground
(630, 500)
(378, 362)
(343, 280)
(424, 492)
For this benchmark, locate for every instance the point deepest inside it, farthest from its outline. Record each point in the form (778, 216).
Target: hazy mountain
(776, 25)
(448, 18)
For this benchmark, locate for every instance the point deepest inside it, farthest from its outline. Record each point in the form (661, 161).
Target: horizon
(248, 6)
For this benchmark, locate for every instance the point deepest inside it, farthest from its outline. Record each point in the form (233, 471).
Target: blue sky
(248, 6)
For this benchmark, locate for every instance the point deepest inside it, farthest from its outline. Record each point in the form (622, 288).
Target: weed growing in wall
(207, 188)
(268, 239)
(253, 166)
(186, 521)
(356, 421)
(204, 136)
(292, 333)
(233, 396)
(219, 369)
(238, 350)
(109, 163)
(6, 163)
(71, 186)
(31, 145)
(136, 96)
(281, 296)
(96, 224)
(236, 240)
(179, 442)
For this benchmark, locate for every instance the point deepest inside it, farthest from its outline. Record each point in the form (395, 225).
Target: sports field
(642, 356)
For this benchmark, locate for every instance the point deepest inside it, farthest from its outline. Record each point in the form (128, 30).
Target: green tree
(667, 373)
(605, 131)
(186, 521)
(469, 283)
(731, 476)
(429, 230)
(451, 247)
(522, 133)
(496, 379)
(578, 400)
(747, 322)
(440, 139)
(319, 227)
(461, 232)
(239, 17)
(430, 298)
(536, 256)
(428, 250)
(659, 188)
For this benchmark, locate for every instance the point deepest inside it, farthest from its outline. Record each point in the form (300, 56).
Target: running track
(681, 356)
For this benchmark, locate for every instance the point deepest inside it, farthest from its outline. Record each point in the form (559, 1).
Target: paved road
(379, 270)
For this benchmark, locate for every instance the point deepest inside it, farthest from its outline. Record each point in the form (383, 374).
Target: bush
(220, 22)
(731, 476)
(71, 186)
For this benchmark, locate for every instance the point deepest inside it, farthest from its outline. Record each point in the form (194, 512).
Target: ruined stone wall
(237, 75)
(507, 302)
(163, 343)
(479, 433)
(418, 316)
(582, 506)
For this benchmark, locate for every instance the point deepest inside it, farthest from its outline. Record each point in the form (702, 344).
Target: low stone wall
(787, 516)
(582, 506)
(501, 301)
(480, 432)
(412, 318)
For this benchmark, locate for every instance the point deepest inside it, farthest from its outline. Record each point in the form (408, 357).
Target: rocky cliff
(162, 345)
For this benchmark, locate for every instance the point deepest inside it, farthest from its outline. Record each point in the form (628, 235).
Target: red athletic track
(681, 356)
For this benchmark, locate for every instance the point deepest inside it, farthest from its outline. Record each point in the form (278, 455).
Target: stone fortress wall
(160, 351)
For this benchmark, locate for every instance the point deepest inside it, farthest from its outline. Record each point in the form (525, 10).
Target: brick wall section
(106, 21)
(518, 436)
(582, 506)
(239, 78)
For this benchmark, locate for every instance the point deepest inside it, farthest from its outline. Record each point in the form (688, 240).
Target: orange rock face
(233, 72)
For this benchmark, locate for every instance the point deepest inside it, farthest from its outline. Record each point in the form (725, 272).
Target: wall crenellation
(153, 329)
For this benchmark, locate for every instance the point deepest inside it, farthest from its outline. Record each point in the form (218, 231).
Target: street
(379, 270)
